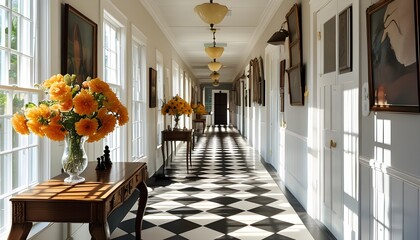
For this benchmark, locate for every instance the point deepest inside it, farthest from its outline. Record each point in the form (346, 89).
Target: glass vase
(74, 158)
(176, 127)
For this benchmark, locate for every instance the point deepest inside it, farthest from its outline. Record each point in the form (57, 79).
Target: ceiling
(240, 30)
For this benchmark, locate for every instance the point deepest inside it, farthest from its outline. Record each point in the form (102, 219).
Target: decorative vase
(176, 127)
(74, 158)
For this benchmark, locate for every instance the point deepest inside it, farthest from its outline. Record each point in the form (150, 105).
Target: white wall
(137, 15)
(388, 199)
(390, 170)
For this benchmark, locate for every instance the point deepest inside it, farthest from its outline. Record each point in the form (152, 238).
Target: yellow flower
(122, 115)
(84, 103)
(97, 85)
(91, 109)
(86, 126)
(60, 91)
(19, 124)
(53, 79)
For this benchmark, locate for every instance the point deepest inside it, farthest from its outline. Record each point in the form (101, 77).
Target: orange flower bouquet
(199, 110)
(75, 114)
(176, 107)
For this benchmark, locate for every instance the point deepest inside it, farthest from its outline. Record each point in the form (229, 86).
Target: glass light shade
(216, 83)
(214, 66)
(214, 76)
(214, 52)
(211, 13)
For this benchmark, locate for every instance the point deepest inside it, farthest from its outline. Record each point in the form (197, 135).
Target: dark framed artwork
(262, 82)
(345, 45)
(294, 54)
(295, 86)
(393, 53)
(282, 72)
(292, 18)
(152, 87)
(78, 44)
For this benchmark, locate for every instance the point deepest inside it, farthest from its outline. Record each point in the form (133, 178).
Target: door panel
(331, 121)
(220, 108)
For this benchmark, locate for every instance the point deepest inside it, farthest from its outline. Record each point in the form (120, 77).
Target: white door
(329, 100)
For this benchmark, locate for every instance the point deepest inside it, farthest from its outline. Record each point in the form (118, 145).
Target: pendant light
(214, 76)
(216, 83)
(214, 52)
(214, 66)
(211, 13)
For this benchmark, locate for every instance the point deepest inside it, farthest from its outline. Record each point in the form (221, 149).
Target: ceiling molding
(266, 17)
(158, 18)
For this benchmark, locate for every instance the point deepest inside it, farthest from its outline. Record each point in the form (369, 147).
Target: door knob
(333, 144)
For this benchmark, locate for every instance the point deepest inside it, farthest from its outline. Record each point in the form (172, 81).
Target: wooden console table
(173, 136)
(87, 202)
(202, 121)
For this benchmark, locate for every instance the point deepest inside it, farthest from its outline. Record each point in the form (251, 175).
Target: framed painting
(152, 87)
(393, 53)
(295, 86)
(282, 72)
(293, 24)
(345, 41)
(78, 44)
(262, 82)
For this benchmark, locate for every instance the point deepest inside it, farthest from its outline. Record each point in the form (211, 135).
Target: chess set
(104, 161)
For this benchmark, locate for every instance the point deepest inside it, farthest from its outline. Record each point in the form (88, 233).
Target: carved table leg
(141, 208)
(99, 231)
(20, 231)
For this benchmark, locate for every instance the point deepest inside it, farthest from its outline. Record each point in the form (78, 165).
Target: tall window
(113, 75)
(139, 108)
(160, 96)
(19, 154)
(175, 78)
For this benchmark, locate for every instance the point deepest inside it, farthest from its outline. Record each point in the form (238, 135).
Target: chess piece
(103, 165)
(108, 162)
(99, 166)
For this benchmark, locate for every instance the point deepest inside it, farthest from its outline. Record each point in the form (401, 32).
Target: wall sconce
(211, 13)
(279, 37)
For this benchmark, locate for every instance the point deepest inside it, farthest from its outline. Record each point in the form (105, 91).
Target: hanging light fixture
(214, 66)
(214, 76)
(216, 83)
(214, 52)
(211, 13)
(279, 37)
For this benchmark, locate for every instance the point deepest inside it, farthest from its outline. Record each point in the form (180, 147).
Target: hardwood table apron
(88, 202)
(176, 135)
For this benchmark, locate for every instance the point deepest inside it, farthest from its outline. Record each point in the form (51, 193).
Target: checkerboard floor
(227, 194)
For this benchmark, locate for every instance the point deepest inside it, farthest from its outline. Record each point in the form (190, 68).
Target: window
(113, 75)
(175, 79)
(19, 154)
(160, 96)
(139, 103)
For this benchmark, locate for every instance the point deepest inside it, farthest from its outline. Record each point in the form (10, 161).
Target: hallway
(228, 194)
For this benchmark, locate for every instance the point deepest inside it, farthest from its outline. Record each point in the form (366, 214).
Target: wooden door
(220, 108)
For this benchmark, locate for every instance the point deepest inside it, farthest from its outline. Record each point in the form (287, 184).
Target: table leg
(141, 208)
(99, 231)
(20, 231)
(163, 156)
(188, 149)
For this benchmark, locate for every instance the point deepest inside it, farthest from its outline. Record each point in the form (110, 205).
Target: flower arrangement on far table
(199, 110)
(176, 107)
(74, 113)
